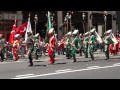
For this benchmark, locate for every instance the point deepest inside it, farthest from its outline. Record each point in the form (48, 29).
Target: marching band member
(81, 43)
(59, 49)
(15, 47)
(107, 41)
(85, 44)
(117, 45)
(62, 45)
(68, 45)
(30, 47)
(51, 46)
(92, 44)
(2, 47)
(36, 45)
(75, 44)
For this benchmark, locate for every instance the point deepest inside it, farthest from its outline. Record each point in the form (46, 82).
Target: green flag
(49, 26)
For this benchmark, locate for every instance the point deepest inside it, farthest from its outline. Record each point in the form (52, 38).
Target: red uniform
(51, 48)
(15, 49)
(114, 48)
(119, 43)
(117, 46)
(62, 43)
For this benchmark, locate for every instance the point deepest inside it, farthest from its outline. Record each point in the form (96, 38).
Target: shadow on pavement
(82, 61)
(39, 65)
(38, 61)
(59, 63)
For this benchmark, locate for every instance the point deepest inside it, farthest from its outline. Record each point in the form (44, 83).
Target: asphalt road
(84, 68)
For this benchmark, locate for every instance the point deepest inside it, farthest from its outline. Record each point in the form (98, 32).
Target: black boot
(74, 60)
(107, 56)
(31, 63)
(92, 57)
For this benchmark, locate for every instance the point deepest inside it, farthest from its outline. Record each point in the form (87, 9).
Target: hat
(51, 31)
(37, 35)
(69, 33)
(91, 31)
(17, 35)
(108, 32)
(75, 31)
(86, 33)
(105, 33)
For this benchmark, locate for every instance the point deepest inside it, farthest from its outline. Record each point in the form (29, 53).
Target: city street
(84, 68)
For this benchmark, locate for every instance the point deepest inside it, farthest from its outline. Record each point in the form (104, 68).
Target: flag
(49, 26)
(29, 29)
(22, 29)
(12, 34)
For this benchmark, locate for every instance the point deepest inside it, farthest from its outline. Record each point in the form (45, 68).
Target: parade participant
(92, 44)
(107, 42)
(85, 44)
(2, 47)
(68, 45)
(62, 45)
(111, 49)
(81, 43)
(36, 45)
(59, 49)
(15, 47)
(51, 46)
(117, 45)
(75, 44)
(22, 47)
(30, 47)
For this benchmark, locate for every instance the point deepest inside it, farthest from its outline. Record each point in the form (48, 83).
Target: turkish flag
(12, 34)
(22, 29)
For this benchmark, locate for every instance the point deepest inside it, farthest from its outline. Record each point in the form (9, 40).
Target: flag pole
(46, 29)
(25, 35)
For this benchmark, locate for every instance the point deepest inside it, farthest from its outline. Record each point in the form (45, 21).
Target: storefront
(7, 19)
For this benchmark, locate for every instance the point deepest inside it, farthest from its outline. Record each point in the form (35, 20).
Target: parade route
(84, 68)
(64, 72)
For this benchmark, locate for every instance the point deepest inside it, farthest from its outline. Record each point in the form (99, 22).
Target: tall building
(7, 19)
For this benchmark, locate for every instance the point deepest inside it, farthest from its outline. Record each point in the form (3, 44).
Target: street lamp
(83, 16)
(67, 16)
(91, 18)
(105, 19)
(65, 22)
(70, 17)
(36, 20)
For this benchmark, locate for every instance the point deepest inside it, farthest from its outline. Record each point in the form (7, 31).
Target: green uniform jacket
(108, 40)
(93, 39)
(86, 42)
(69, 43)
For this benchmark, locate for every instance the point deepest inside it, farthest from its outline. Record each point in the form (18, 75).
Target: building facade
(7, 19)
(92, 19)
